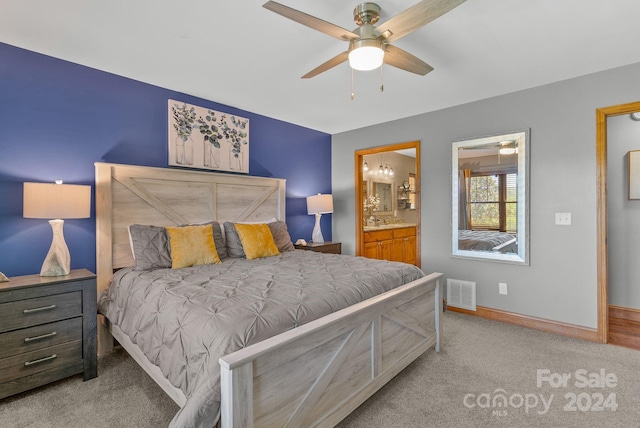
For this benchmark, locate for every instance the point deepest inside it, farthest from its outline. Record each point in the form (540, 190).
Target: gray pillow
(281, 236)
(232, 241)
(218, 239)
(150, 247)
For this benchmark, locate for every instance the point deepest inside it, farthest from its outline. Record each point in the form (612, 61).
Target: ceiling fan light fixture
(507, 150)
(366, 55)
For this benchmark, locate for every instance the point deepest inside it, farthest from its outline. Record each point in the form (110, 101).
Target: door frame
(601, 186)
(359, 156)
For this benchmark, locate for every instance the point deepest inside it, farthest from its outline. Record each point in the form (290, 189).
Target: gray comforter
(486, 240)
(184, 320)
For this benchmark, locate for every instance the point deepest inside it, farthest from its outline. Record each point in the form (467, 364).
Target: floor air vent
(461, 294)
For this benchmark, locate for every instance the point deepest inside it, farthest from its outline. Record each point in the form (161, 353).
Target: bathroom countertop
(388, 226)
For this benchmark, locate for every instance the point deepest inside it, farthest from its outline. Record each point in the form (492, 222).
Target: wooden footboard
(318, 373)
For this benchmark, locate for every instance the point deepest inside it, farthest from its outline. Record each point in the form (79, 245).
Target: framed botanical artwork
(203, 138)
(633, 159)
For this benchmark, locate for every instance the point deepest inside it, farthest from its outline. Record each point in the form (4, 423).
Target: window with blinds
(494, 202)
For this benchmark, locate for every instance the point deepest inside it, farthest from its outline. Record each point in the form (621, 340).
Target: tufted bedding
(184, 320)
(487, 240)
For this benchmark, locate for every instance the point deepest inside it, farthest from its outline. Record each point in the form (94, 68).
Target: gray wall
(623, 135)
(561, 282)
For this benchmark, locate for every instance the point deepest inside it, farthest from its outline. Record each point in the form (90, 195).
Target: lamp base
(58, 260)
(316, 237)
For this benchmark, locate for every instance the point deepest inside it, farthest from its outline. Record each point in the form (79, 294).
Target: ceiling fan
(506, 147)
(370, 46)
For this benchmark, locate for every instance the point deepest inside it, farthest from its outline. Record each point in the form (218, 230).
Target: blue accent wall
(58, 118)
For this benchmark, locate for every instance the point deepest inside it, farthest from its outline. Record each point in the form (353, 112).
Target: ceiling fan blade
(310, 21)
(336, 60)
(416, 16)
(404, 60)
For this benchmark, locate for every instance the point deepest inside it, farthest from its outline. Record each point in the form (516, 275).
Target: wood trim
(601, 188)
(358, 158)
(359, 163)
(624, 327)
(564, 329)
(630, 314)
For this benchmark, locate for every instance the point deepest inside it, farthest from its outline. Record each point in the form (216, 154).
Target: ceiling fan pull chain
(381, 81)
(353, 93)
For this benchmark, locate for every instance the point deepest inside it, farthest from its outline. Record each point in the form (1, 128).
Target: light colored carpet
(480, 359)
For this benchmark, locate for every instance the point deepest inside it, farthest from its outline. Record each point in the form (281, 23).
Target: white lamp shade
(319, 204)
(56, 201)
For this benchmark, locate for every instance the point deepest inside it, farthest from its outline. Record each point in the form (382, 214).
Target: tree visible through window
(493, 202)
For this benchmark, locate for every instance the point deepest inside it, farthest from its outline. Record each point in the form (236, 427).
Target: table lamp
(318, 205)
(57, 202)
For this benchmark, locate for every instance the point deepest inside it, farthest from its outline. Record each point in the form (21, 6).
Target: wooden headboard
(128, 194)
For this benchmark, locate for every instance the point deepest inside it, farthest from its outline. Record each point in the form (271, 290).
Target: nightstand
(47, 330)
(325, 247)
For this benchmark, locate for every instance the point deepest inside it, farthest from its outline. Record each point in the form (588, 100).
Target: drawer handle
(44, 336)
(41, 360)
(43, 308)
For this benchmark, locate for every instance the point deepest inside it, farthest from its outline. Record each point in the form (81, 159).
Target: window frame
(502, 201)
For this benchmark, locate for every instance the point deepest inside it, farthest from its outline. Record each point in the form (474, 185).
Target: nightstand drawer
(41, 336)
(30, 312)
(334, 248)
(12, 368)
(325, 247)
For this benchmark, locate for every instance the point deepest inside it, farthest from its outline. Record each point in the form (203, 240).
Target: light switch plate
(563, 219)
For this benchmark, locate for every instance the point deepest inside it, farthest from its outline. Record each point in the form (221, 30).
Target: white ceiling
(240, 54)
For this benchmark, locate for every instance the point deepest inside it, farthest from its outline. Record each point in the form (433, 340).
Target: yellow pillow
(257, 240)
(191, 246)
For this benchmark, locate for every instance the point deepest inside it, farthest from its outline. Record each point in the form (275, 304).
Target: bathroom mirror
(383, 190)
(490, 198)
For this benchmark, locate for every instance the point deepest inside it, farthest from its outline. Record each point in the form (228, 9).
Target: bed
(487, 240)
(320, 362)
